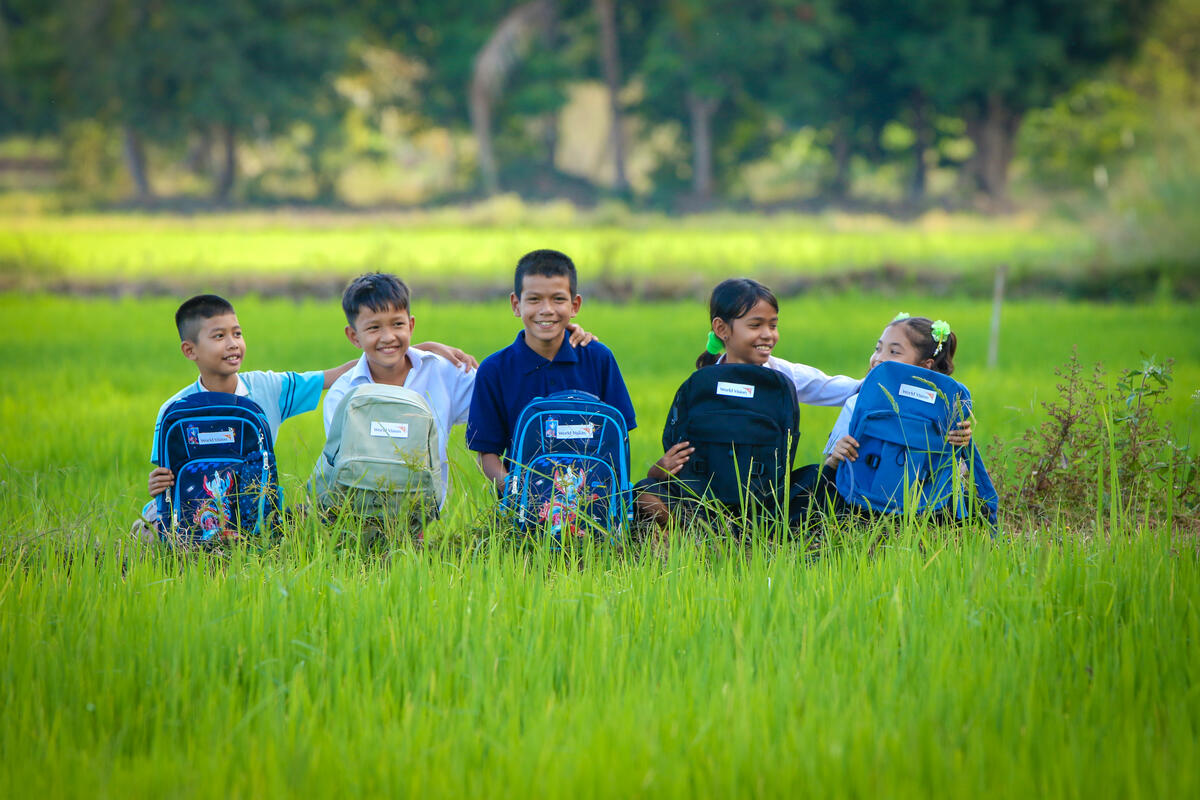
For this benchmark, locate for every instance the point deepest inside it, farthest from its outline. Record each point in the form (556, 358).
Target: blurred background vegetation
(677, 105)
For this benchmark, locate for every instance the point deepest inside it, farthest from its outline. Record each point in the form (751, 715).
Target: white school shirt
(279, 394)
(446, 387)
(842, 426)
(813, 387)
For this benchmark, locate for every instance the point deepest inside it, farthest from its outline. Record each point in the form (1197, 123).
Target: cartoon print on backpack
(569, 496)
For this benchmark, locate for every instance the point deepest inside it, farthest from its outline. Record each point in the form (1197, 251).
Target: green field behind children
(1049, 661)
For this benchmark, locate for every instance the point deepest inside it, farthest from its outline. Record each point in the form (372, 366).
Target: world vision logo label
(735, 389)
(917, 393)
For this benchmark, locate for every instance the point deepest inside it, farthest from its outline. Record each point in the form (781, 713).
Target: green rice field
(114, 248)
(1042, 663)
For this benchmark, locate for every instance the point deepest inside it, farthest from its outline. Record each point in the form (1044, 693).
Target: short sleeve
(461, 386)
(615, 393)
(487, 428)
(332, 398)
(157, 426)
(300, 392)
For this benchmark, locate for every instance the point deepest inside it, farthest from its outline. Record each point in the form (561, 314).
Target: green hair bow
(940, 330)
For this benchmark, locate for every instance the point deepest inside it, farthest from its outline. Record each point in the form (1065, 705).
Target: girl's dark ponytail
(924, 334)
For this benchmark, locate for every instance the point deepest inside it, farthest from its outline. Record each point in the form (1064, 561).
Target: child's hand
(459, 358)
(161, 479)
(846, 449)
(961, 435)
(672, 461)
(579, 337)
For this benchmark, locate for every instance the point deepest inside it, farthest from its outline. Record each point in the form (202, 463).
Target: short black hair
(377, 291)
(549, 263)
(192, 313)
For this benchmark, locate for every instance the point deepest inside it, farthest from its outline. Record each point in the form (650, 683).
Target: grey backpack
(382, 456)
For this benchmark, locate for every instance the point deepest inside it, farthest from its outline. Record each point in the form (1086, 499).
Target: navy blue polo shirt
(508, 379)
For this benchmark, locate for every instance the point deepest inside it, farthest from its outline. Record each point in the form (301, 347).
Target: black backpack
(744, 422)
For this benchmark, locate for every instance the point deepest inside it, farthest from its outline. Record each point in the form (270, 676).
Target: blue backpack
(570, 467)
(226, 483)
(900, 422)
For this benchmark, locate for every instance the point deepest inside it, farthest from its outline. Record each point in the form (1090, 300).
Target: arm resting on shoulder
(332, 375)
(458, 358)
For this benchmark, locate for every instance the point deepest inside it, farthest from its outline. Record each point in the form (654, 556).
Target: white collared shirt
(446, 387)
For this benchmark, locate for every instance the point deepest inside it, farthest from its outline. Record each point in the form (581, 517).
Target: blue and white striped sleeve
(300, 392)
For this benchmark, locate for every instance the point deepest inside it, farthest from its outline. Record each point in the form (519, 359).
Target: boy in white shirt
(380, 323)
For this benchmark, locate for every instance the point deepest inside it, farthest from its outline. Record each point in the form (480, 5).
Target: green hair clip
(940, 330)
(715, 345)
(903, 315)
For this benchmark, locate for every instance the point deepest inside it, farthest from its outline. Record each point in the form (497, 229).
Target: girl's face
(894, 345)
(752, 336)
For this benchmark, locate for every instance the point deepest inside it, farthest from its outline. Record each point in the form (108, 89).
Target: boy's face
(545, 306)
(219, 348)
(383, 336)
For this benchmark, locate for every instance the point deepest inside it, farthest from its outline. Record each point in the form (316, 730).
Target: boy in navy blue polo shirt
(539, 362)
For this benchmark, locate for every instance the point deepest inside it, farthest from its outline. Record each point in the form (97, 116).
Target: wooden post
(997, 302)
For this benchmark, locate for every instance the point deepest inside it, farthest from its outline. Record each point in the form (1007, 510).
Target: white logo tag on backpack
(735, 389)
(390, 430)
(216, 437)
(585, 431)
(917, 393)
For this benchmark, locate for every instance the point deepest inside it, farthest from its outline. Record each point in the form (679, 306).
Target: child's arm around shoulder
(334, 373)
(814, 387)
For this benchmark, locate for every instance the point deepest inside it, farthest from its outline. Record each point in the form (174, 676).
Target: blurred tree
(708, 61)
(31, 60)
(992, 61)
(160, 69)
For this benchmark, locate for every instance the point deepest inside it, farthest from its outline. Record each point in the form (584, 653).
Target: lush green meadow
(1042, 663)
(480, 248)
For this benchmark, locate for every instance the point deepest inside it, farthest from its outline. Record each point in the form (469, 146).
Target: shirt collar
(529, 360)
(242, 389)
(360, 373)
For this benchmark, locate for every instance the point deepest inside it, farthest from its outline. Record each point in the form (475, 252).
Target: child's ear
(352, 335)
(516, 303)
(927, 363)
(576, 304)
(721, 329)
(412, 325)
(188, 349)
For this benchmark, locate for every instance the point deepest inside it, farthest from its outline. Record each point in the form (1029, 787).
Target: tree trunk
(610, 56)
(923, 133)
(499, 54)
(135, 159)
(228, 173)
(839, 186)
(199, 152)
(995, 136)
(701, 110)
